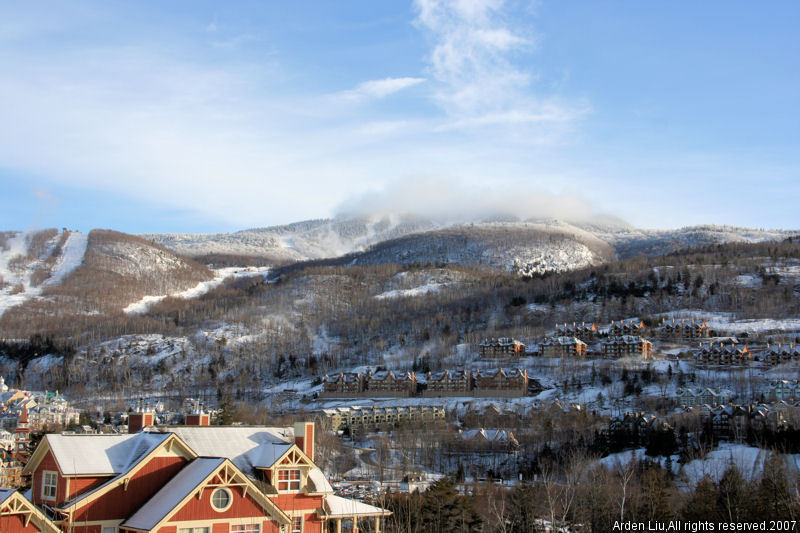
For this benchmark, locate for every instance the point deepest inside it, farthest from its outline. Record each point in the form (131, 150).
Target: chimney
(304, 437)
(140, 419)
(197, 417)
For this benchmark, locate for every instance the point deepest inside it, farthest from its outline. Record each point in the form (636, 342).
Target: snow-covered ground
(416, 291)
(141, 306)
(727, 322)
(749, 460)
(16, 271)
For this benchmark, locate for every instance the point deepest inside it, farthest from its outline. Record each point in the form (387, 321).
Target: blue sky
(212, 116)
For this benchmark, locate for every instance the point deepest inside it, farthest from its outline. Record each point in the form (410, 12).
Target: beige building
(369, 418)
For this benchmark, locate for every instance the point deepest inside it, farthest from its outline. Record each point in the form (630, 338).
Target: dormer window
(49, 485)
(289, 479)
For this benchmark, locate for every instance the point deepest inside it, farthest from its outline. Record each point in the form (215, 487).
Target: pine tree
(703, 503)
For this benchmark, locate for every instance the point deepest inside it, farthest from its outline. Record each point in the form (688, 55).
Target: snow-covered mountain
(310, 239)
(527, 246)
(107, 271)
(32, 261)
(72, 273)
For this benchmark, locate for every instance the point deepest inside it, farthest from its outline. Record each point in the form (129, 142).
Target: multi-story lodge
(183, 479)
(629, 326)
(562, 347)
(511, 383)
(780, 353)
(449, 383)
(502, 347)
(722, 354)
(683, 329)
(382, 383)
(703, 396)
(782, 390)
(387, 383)
(627, 346)
(343, 385)
(359, 418)
(583, 331)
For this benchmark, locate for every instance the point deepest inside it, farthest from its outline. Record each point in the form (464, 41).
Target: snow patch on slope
(416, 291)
(71, 257)
(16, 271)
(141, 306)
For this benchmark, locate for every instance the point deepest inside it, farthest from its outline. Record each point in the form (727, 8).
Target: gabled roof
(14, 503)
(168, 441)
(171, 494)
(247, 447)
(169, 499)
(95, 454)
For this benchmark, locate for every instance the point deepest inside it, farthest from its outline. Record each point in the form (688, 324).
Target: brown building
(781, 353)
(683, 329)
(627, 346)
(502, 347)
(583, 331)
(447, 383)
(562, 347)
(343, 385)
(387, 383)
(501, 382)
(722, 354)
(629, 326)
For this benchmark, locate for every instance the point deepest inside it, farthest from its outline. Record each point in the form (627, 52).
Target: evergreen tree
(444, 511)
(521, 515)
(732, 495)
(703, 503)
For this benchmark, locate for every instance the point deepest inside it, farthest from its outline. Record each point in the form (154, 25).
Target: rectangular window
(49, 485)
(297, 524)
(193, 530)
(288, 479)
(109, 529)
(246, 528)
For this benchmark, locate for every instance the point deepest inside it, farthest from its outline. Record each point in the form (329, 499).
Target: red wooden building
(18, 515)
(188, 480)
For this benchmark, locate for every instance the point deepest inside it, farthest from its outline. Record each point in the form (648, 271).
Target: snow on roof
(319, 480)
(337, 506)
(247, 447)
(171, 494)
(101, 454)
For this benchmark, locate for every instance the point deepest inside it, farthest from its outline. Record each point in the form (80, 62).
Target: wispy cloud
(379, 88)
(479, 83)
(231, 137)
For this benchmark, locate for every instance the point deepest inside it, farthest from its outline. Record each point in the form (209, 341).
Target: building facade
(189, 480)
(584, 331)
(627, 346)
(563, 347)
(722, 354)
(683, 329)
(502, 347)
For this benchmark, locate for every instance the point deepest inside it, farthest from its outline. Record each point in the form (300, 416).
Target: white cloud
(479, 83)
(380, 88)
(231, 137)
(450, 200)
